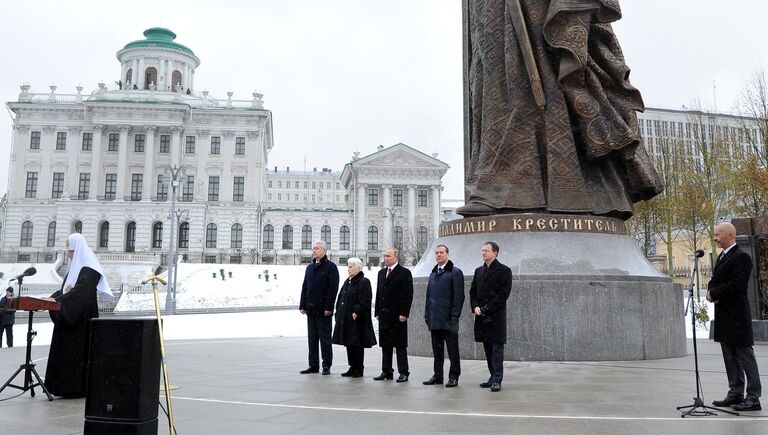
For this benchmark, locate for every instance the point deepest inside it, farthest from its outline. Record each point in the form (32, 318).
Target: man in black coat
(733, 322)
(445, 299)
(7, 319)
(318, 295)
(394, 294)
(488, 296)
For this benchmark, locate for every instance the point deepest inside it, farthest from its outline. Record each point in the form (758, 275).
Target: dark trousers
(355, 355)
(319, 330)
(8, 335)
(442, 338)
(740, 361)
(494, 356)
(402, 360)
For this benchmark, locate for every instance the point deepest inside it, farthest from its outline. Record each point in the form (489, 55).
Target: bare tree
(645, 224)
(753, 109)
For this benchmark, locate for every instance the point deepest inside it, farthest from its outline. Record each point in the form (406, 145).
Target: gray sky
(347, 75)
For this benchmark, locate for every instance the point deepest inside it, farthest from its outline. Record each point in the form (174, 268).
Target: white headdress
(84, 257)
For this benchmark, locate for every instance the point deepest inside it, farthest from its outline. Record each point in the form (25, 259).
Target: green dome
(159, 37)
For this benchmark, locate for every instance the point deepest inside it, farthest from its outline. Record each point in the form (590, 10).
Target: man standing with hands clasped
(733, 323)
(445, 299)
(318, 296)
(394, 294)
(488, 296)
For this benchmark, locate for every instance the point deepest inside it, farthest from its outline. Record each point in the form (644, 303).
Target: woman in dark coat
(354, 328)
(68, 357)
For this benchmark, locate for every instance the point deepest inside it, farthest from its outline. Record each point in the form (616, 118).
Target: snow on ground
(46, 276)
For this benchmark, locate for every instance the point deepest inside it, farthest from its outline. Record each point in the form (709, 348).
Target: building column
(388, 215)
(412, 212)
(176, 145)
(123, 182)
(362, 229)
(171, 84)
(149, 167)
(185, 79)
(96, 165)
(436, 210)
(140, 79)
(135, 72)
(161, 75)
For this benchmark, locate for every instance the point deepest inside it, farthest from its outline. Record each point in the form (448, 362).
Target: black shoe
(728, 401)
(748, 405)
(357, 374)
(402, 378)
(309, 370)
(452, 383)
(486, 385)
(384, 376)
(496, 387)
(326, 370)
(433, 381)
(348, 373)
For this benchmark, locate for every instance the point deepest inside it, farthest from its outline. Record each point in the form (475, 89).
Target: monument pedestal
(581, 290)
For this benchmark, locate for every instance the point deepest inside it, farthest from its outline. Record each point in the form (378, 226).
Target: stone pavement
(252, 386)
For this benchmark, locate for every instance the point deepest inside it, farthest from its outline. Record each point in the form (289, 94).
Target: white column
(176, 146)
(123, 179)
(123, 70)
(362, 228)
(436, 210)
(186, 77)
(96, 166)
(140, 81)
(149, 168)
(161, 75)
(135, 72)
(171, 84)
(388, 218)
(412, 211)
(192, 79)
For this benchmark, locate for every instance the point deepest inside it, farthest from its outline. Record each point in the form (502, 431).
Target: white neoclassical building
(100, 163)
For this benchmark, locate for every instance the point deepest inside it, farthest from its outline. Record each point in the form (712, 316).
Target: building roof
(159, 37)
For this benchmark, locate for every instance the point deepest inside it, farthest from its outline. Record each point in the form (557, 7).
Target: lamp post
(174, 176)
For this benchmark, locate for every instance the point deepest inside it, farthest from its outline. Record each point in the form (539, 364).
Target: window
(373, 196)
(269, 184)
(110, 186)
(422, 198)
(238, 189)
(239, 146)
(397, 197)
(215, 145)
(190, 146)
(136, 183)
(338, 186)
(213, 188)
(398, 233)
(34, 140)
(165, 143)
(373, 238)
(325, 235)
(314, 185)
(162, 189)
(87, 141)
(295, 184)
(130, 237)
(279, 184)
(188, 191)
(306, 184)
(210, 236)
(306, 237)
(26, 234)
(421, 239)
(138, 143)
(175, 80)
(236, 241)
(114, 141)
(344, 238)
(268, 237)
(51, 239)
(61, 140)
(84, 185)
(279, 196)
(31, 189)
(210, 258)
(184, 235)
(128, 76)
(104, 235)
(157, 235)
(150, 77)
(287, 237)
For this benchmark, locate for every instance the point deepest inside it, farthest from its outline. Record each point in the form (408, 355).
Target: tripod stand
(698, 409)
(28, 367)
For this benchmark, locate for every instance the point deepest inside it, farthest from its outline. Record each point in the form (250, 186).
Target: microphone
(29, 272)
(699, 253)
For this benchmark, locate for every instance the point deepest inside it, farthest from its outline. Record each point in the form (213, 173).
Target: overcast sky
(347, 75)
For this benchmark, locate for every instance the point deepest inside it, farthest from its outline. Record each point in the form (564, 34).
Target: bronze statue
(550, 115)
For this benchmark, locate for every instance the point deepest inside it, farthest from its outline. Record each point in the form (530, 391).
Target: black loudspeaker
(123, 374)
(113, 427)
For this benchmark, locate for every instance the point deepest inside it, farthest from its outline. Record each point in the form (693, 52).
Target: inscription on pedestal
(510, 223)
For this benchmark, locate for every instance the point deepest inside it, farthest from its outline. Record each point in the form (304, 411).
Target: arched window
(268, 239)
(325, 235)
(77, 227)
(287, 237)
(175, 80)
(130, 237)
(210, 236)
(236, 241)
(128, 77)
(150, 76)
(421, 239)
(306, 237)
(26, 234)
(104, 235)
(373, 238)
(157, 235)
(344, 238)
(184, 235)
(398, 242)
(51, 239)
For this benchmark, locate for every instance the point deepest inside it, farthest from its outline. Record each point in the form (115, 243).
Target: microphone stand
(698, 409)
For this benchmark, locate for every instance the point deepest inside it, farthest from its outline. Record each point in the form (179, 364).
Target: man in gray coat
(445, 299)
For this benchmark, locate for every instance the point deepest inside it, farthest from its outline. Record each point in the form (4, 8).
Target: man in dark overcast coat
(394, 294)
(318, 296)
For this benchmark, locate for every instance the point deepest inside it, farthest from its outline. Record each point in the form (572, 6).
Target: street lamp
(174, 176)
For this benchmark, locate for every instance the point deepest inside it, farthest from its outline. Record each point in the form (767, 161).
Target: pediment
(401, 156)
